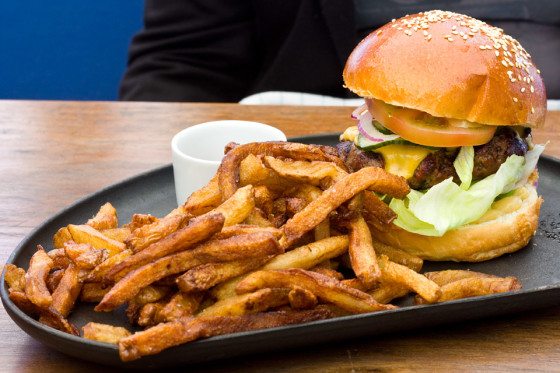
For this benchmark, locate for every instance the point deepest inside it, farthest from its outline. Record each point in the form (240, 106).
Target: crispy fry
(264, 197)
(308, 172)
(310, 193)
(54, 319)
(36, 277)
(305, 257)
(196, 231)
(181, 305)
(67, 291)
(252, 171)
(238, 247)
(106, 218)
(204, 199)
(146, 235)
(74, 250)
(445, 277)
(91, 259)
(93, 292)
(386, 292)
(398, 256)
(319, 209)
(207, 275)
(361, 252)
(24, 304)
(398, 274)
(325, 288)
(328, 272)
(148, 315)
(60, 260)
(259, 301)
(151, 294)
(53, 279)
(376, 211)
(257, 217)
(117, 234)
(84, 234)
(228, 172)
(236, 208)
(238, 229)
(98, 273)
(14, 277)
(60, 237)
(104, 333)
(301, 299)
(165, 335)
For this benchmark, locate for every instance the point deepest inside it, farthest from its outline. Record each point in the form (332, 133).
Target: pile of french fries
(279, 236)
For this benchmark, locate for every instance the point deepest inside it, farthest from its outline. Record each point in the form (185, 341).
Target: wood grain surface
(52, 153)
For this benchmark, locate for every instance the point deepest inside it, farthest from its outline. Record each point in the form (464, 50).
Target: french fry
(104, 333)
(165, 335)
(325, 288)
(236, 208)
(24, 304)
(67, 291)
(146, 235)
(35, 278)
(91, 259)
(151, 294)
(54, 319)
(15, 277)
(238, 247)
(477, 286)
(328, 272)
(256, 217)
(398, 256)
(308, 172)
(398, 274)
(259, 301)
(361, 252)
(228, 172)
(74, 250)
(93, 292)
(252, 171)
(53, 279)
(208, 275)
(301, 299)
(197, 230)
(138, 221)
(117, 234)
(238, 229)
(310, 193)
(204, 199)
(99, 273)
(60, 237)
(60, 260)
(106, 218)
(181, 305)
(148, 315)
(84, 234)
(319, 209)
(375, 211)
(445, 277)
(386, 292)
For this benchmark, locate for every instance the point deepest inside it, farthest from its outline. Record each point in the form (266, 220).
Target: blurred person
(225, 50)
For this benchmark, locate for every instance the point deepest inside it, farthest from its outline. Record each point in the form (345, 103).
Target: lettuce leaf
(464, 164)
(446, 206)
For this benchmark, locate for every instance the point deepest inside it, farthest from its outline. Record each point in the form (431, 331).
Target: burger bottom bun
(507, 227)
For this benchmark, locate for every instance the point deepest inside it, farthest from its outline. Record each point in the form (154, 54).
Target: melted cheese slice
(402, 160)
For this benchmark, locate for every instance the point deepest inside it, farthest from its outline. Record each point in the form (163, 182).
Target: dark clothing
(219, 50)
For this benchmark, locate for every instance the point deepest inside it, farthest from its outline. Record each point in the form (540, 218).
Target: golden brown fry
(445, 277)
(310, 193)
(257, 217)
(84, 234)
(74, 250)
(106, 218)
(237, 247)
(117, 234)
(151, 294)
(307, 172)
(24, 304)
(204, 199)
(228, 172)
(236, 208)
(14, 277)
(302, 299)
(386, 292)
(238, 229)
(474, 286)
(104, 333)
(398, 256)
(139, 220)
(60, 237)
(53, 279)
(376, 211)
(197, 230)
(93, 292)
(98, 273)
(148, 315)
(91, 259)
(60, 260)
(208, 275)
(146, 235)
(264, 198)
(361, 252)
(398, 274)
(181, 305)
(54, 319)
(319, 209)
(165, 335)
(253, 172)
(36, 277)
(259, 301)
(67, 291)
(328, 272)
(325, 288)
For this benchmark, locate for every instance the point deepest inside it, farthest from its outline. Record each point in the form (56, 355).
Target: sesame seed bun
(449, 65)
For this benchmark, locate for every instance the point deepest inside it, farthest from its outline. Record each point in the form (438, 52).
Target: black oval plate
(537, 266)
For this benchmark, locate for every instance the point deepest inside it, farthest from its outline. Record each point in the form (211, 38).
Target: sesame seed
(538, 71)
(504, 63)
(393, 20)
(532, 89)
(497, 53)
(482, 47)
(429, 37)
(522, 89)
(532, 110)
(450, 38)
(425, 33)
(515, 99)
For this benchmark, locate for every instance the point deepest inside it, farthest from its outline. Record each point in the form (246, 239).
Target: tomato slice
(421, 128)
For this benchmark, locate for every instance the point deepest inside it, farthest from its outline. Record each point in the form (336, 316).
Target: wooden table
(52, 153)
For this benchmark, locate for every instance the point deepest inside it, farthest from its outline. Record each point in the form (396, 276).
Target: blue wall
(63, 49)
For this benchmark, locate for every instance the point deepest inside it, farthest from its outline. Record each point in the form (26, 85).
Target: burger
(450, 102)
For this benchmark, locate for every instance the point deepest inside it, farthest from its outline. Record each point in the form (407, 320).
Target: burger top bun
(449, 65)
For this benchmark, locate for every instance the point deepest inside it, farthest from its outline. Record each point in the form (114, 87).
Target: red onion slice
(356, 114)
